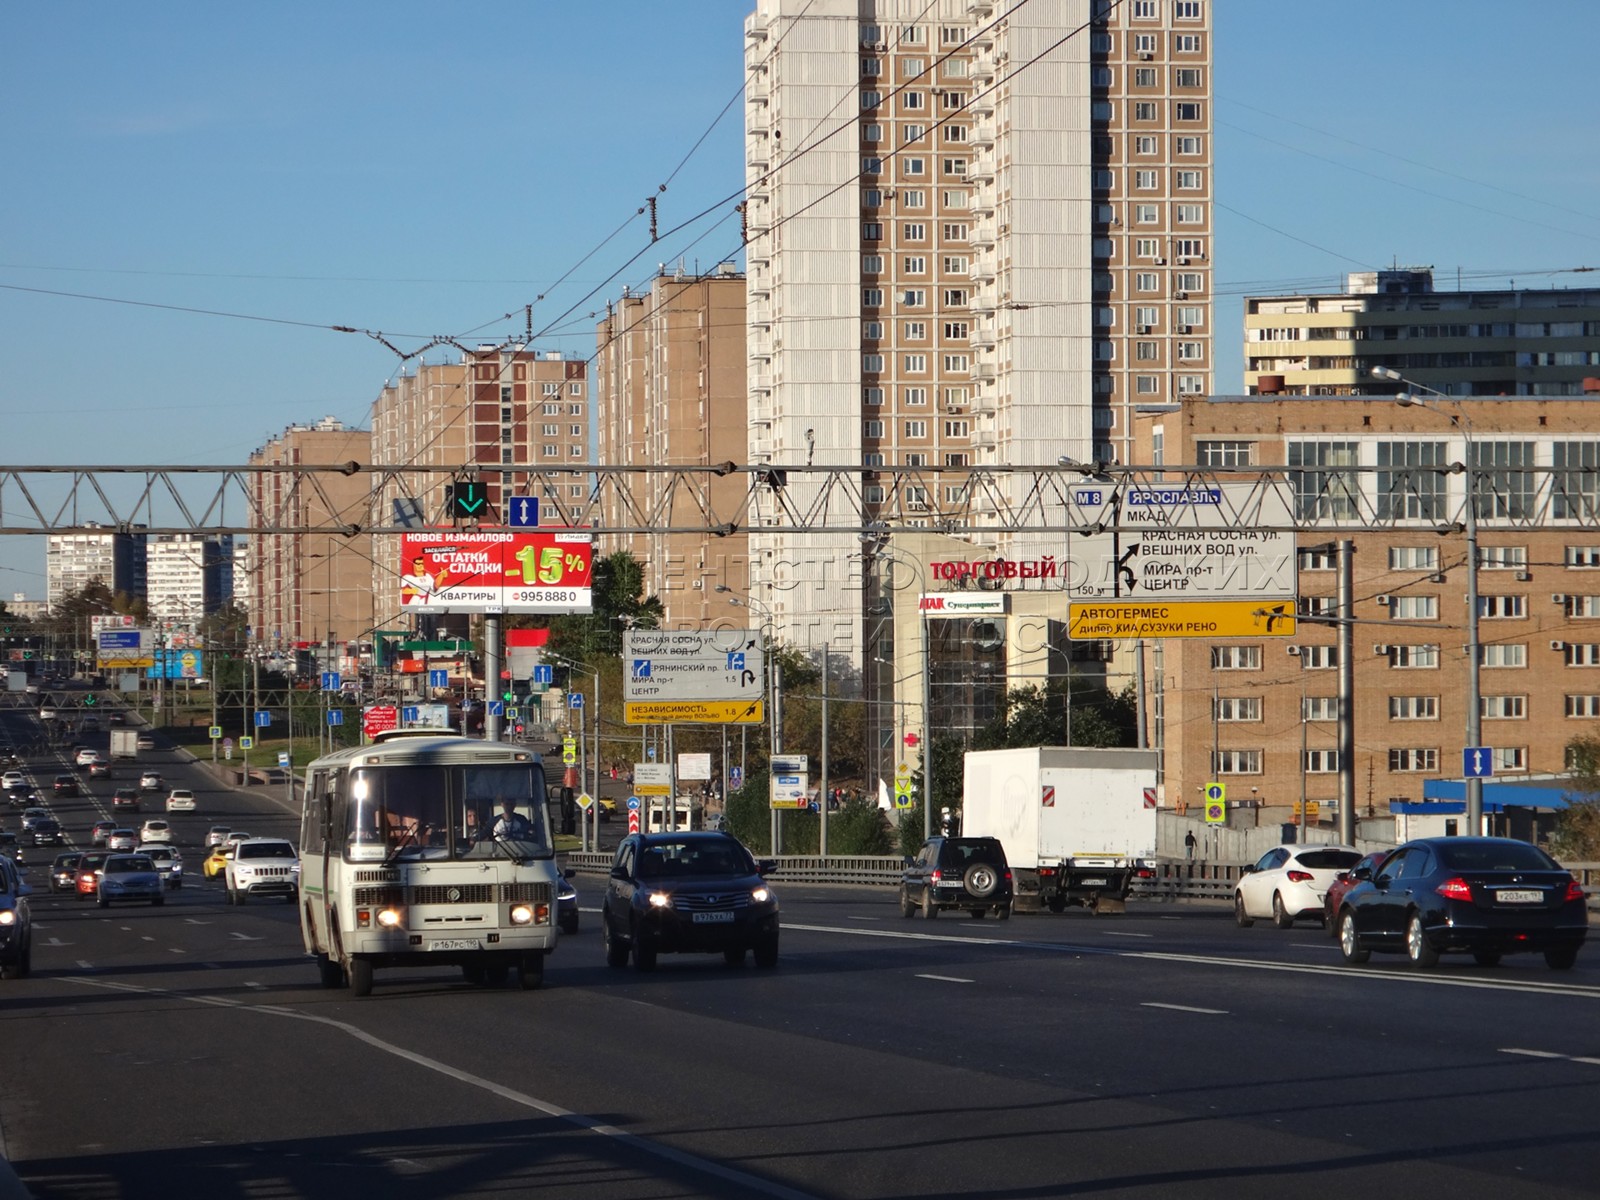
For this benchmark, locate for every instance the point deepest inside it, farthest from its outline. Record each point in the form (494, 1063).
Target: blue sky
(416, 170)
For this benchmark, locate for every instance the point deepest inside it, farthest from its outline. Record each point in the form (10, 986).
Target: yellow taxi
(217, 861)
(608, 807)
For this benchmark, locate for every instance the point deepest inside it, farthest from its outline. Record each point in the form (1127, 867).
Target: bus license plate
(1506, 896)
(707, 918)
(454, 944)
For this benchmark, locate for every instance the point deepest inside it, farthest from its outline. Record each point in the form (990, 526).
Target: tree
(1577, 833)
(618, 602)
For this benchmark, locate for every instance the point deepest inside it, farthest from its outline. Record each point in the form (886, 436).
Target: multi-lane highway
(189, 1050)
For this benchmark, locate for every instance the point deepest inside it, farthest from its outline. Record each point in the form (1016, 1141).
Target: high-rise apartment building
(670, 390)
(309, 588)
(74, 560)
(496, 407)
(187, 575)
(979, 235)
(1530, 342)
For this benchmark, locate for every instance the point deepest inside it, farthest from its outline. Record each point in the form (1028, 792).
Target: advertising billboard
(543, 571)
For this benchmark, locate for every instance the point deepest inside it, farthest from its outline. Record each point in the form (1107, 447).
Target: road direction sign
(522, 511)
(216, 732)
(672, 667)
(735, 778)
(633, 803)
(1216, 793)
(438, 678)
(691, 712)
(335, 716)
(652, 779)
(497, 708)
(247, 743)
(283, 758)
(574, 699)
(330, 681)
(544, 673)
(263, 719)
(1179, 619)
(1477, 762)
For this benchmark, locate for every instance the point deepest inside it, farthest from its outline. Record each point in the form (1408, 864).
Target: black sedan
(65, 785)
(46, 831)
(1488, 897)
(695, 893)
(16, 923)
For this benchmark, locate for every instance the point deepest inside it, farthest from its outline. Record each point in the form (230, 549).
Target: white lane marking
(863, 918)
(1335, 970)
(85, 964)
(244, 937)
(147, 938)
(1314, 945)
(1210, 1012)
(175, 950)
(1587, 1060)
(1123, 933)
(947, 978)
(251, 983)
(55, 941)
(192, 921)
(746, 1183)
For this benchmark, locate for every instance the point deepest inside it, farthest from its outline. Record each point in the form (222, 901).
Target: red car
(1342, 883)
(87, 881)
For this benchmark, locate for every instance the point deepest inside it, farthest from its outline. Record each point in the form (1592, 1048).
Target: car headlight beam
(660, 899)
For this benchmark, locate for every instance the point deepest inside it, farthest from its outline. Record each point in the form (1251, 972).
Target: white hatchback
(156, 830)
(1288, 883)
(85, 757)
(180, 800)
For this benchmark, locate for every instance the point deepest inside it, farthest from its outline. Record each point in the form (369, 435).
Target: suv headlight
(660, 899)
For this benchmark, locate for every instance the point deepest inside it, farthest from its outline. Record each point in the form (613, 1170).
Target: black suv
(957, 872)
(694, 893)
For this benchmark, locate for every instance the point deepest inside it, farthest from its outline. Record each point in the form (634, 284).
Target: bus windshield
(446, 812)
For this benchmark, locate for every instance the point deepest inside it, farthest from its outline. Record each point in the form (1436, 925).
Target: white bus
(423, 849)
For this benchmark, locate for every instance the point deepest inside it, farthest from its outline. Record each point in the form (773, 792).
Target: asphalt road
(160, 1052)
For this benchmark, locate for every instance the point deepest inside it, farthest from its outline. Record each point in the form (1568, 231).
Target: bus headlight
(7, 917)
(521, 914)
(389, 918)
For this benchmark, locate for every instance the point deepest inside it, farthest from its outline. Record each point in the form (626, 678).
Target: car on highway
(130, 877)
(87, 880)
(116, 718)
(566, 903)
(1287, 884)
(607, 806)
(47, 712)
(125, 799)
(65, 785)
(151, 781)
(13, 779)
(262, 867)
(156, 830)
(121, 839)
(10, 846)
(16, 922)
(64, 870)
(688, 893)
(22, 795)
(960, 873)
(1342, 883)
(215, 864)
(89, 725)
(31, 817)
(1487, 897)
(100, 831)
(180, 800)
(84, 757)
(46, 831)
(100, 769)
(216, 835)
(145, 742)
(235, 836)
(167, 860)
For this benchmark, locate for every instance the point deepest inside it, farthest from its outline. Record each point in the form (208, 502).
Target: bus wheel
(330, 972)
(496, 975)
(530, 971)
(361, 976)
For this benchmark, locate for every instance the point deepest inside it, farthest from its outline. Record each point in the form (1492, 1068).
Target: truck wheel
(1056, 904)
(360, 977)
(530, 971)
(981, 880)
(329, 972)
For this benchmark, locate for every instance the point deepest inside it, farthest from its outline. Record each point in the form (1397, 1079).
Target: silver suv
(263, 867)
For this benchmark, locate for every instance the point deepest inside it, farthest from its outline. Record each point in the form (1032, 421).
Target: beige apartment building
(308, 589)
(494, 409)
(979, 234)
(1260, 714)
(669, 380)
(1512, 342)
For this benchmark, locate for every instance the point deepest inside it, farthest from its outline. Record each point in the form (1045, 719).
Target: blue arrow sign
(522, 511)
(497, 708)
(1477, 762)
(438, 679)
(263, 719)
(410, 713)
(641, 668)
(735, 778)
(335, 716)
(633, 803)
(330, 681)
(574, 699)
(544, 673)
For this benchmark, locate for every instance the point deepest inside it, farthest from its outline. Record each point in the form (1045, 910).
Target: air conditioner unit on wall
(1524, 576)
(1557, 598)
(1383, 600)
(1294, 651)
(1145, 56)
(1183, 262)
(1180, 295)
(1141, 329)
(1183, 329)
(1380, 648)
(1558, 645)
(1161, 262)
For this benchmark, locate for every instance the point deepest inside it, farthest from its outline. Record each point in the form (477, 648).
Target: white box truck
(1078, 825)
(124, 742)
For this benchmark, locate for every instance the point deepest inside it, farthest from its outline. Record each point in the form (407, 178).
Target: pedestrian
(1189, 845)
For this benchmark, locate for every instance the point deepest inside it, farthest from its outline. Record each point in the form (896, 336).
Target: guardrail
(1173, 881)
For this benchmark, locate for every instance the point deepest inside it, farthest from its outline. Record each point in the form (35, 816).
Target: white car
(12, 779)
(122, 840)
(85, 757)
(156, 830)
(263, 867)
(167, 860)
(144, 742)
(180, 800)
(1288, 884)
(150, 781)
(216, 835)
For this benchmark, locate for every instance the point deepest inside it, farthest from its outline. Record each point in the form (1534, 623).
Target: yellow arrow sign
(1098, 619)
(693, 712)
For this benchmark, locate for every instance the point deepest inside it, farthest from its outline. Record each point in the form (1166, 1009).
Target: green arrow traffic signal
(468, 498)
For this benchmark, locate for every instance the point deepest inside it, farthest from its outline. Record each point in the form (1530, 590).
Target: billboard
(543, 571)
(175, 663)
(120, 648)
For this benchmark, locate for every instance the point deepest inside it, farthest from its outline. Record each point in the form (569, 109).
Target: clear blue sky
(421, 169)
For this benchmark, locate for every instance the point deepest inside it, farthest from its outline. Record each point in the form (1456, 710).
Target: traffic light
(88, 700)
(469, 499)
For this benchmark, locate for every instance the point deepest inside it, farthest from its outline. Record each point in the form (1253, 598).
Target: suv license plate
(709, 918)
(1092, 883)
(454, 944)
(1506, 896)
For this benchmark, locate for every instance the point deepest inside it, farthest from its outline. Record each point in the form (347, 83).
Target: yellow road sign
(1216, 812)
(693, 712)
(1313, 809)
(1094, 620)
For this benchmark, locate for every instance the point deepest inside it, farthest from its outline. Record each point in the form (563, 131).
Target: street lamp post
(1459, 419)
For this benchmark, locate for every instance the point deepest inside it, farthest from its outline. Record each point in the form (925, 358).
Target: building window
(1320, 708)
(1322, 762)
(871, 68)
(915, 396)
(1414, 759)
(872, 331)
(914, 297)
(1238, 708)
(915, 331)
(1319, 658)
(1414, 608)
(957, 429)
(955, 396)
(1510, 758)
(1316, 606)
(1324, 491)
(1144, 180)
(956, 168)
(1191, 351)
(916, 264)
(1581, 607)
(1411, 484)
(1190, 144)
(550, 430)
(1144, 110)
(1146, 281)
(1236, 762)
(1187, 110)
(1145, 214)
(1144, 77)
(1147, 248)
(1413, 558)
(956, 362)
(1583, 706)
(1581, 654)
(872, 297)
(872, 231)
(1576, 481)
(914, 364)
(956, 330)
(1512, 654)
(1146, 352)
(1186, 43)
(913, 198)
(1587, 557)
(872, 264)
(1186, 77)
(956, 297)
(1507, 607)
(1413, 708)
(915, 429)
(1189, 214)
(872, 429)
(1502, 708)
(872, 166)
(1414, 658)
(872, 396)
(1236, 658)
(912, 133)
(913, 166)
(1189, 181)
